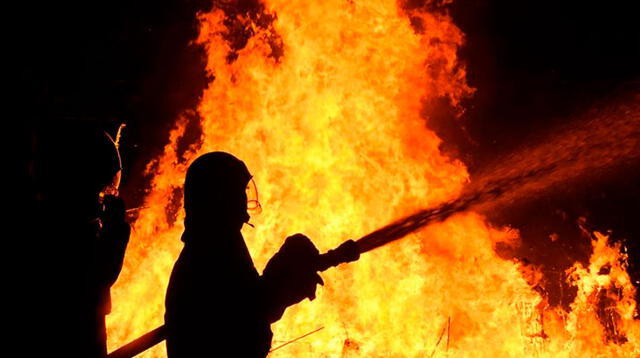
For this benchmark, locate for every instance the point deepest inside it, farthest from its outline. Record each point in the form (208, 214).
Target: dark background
(537, 64)
(534, 64)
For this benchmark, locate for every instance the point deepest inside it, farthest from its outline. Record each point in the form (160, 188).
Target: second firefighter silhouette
(216, 300)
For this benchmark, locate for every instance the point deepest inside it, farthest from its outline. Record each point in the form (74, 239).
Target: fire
(325, 104)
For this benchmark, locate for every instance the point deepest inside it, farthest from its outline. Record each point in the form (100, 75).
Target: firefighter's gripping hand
(292, 271)
(113, 220)
(114, 211)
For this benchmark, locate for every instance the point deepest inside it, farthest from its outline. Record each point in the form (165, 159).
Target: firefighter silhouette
(216, 300)
(81, 225)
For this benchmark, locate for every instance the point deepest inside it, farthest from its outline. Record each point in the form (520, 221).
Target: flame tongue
(324, 105)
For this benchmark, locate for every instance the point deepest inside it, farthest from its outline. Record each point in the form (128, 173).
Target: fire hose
(346, 252)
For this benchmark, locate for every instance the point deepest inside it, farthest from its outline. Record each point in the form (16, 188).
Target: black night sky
(534, 64)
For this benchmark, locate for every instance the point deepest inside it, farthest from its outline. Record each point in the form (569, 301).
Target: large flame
(332, 129)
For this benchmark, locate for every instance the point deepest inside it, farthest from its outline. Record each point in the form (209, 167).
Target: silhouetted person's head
(215, 192)
(75, 161)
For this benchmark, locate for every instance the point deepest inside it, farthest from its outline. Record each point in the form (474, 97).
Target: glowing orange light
(333, 134)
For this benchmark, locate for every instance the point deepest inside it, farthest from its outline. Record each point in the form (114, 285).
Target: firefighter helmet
(218, 179)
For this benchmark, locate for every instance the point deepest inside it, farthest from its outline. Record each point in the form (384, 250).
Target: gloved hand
(114, 210)
(291, 274)
(114, 228)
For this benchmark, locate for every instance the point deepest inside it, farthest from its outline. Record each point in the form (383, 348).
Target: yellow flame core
(332, 132)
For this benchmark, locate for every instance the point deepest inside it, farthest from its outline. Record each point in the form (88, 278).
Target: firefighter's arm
(114, 237)
(290, 276)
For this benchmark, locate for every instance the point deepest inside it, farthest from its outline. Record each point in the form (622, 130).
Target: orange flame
(333, 134)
